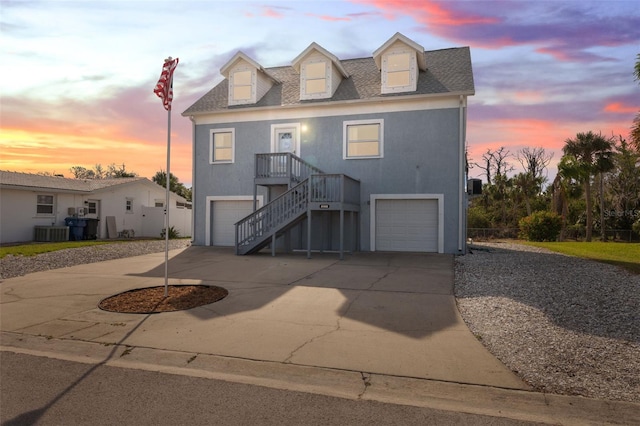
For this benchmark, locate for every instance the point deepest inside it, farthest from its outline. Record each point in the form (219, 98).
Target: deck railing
(325, 188)
(283, 165)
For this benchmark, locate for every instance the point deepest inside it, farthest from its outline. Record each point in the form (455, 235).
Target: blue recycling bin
(76, 228)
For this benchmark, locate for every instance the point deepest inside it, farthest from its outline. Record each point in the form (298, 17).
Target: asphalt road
(46, 391)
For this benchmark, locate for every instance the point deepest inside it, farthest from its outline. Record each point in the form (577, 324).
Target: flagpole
(164, 90)
(167, 205)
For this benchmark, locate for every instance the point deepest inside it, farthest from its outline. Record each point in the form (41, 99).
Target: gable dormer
(399, 61)
(248, 81)
(320, 72)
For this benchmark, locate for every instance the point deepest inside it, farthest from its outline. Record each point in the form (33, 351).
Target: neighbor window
(222, 146)
(158, 203)
(128, 208)
(44, 204)
(363, 139)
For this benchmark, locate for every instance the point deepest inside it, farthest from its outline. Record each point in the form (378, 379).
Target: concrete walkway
(288, 321)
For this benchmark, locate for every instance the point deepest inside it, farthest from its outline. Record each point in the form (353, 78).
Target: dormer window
(315, 76)
(248, 81)
(400, 61)
(241, 83)
(399, 72)
(320, 72)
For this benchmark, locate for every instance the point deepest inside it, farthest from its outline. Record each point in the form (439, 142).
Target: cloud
(328, 17)
(564, 31)
(621, 108)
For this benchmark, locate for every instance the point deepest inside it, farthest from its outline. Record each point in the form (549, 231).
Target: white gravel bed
(565, 325)
(15, 266)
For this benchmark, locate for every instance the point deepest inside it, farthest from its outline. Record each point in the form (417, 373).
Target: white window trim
(274, 142)
(252, 99)
(372, 224)
(210, 198)
(413, 71)
(233, 145)
(53, 205)
(345, 138)
(303, 80)
(126, 203)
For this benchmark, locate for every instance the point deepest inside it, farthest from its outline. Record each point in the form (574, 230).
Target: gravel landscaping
(565, 325)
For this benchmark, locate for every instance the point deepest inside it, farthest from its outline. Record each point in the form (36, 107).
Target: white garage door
(224, 215)
(407, 225)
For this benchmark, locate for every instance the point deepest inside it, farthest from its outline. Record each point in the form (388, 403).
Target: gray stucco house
(335, 154)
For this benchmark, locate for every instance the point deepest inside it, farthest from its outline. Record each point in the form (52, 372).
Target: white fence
(153, 221)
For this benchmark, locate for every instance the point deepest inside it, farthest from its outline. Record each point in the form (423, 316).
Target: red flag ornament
(164, 86)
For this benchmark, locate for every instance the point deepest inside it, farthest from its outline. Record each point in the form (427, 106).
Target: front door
(286, 138)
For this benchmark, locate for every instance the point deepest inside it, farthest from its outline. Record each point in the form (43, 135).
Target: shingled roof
(448, 71)
(28, 180)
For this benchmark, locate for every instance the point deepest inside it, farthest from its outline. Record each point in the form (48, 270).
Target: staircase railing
(255, 229)
(283, 165)
(334, 188)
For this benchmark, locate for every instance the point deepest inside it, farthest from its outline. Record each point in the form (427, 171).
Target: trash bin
(91, 230)
(76, 228)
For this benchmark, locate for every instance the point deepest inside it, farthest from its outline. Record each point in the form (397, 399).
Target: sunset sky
(77, 77)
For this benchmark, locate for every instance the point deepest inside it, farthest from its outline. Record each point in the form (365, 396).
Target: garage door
(224, 215)
(407, 225)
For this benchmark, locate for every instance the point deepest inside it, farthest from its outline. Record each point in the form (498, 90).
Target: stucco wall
(421, 156)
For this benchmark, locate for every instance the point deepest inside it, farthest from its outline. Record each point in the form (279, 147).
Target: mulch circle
(151, 300)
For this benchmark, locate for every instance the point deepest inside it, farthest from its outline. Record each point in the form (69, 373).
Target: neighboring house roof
(448, 72)
(28, 181)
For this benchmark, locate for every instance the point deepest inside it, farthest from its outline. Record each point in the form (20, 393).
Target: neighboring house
(29, 200)
(335, 154)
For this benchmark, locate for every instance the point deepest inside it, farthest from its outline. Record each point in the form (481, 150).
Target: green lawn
(626, 255)
(32, 249)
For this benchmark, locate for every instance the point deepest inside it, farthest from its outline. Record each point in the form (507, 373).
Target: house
(335, 154)
(28, 201)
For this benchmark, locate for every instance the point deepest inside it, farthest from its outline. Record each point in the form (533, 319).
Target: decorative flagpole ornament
(164, 90)
(164, 86)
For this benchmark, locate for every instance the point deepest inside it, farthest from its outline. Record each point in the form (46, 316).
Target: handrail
(273, 216)
(283, 164)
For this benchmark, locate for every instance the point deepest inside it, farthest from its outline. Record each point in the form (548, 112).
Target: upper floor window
(242, 87)
(363, 139)
(315, 79)
(399, 72)
(128, 206)
(222, 146)
(45, 205)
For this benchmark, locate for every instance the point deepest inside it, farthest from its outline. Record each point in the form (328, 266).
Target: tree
(586, 156)
(623, 185)
(494, 163)
(174, 184)
(98, 172)
(534, 161)
(117, 172)
(635, 128)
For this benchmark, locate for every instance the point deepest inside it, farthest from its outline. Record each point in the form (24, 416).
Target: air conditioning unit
(51, 233)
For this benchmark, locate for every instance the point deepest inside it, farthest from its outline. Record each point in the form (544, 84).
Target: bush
(636, 226)
(173, 233)
(477, 218)
(540, 226)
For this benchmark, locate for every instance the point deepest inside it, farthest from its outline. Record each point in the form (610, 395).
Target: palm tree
(590, 154)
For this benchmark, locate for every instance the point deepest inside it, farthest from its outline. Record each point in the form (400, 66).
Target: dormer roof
(297, 62)
(240, 56)
(377, 55)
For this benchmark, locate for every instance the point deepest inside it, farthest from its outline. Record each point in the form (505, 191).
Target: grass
(33, 249)
(626, 255)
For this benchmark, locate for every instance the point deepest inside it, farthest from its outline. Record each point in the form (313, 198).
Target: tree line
(597, 185)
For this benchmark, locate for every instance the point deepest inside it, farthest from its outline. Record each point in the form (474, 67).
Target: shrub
(477, 218)
(540, 226)
(173, 233)
(636, 226)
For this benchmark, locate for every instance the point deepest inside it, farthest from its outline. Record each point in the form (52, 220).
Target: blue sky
(77, 76)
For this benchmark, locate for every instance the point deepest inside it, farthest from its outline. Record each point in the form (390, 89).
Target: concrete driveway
(391, 314)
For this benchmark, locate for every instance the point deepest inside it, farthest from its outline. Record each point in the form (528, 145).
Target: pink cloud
(620, 108)
(328, 17)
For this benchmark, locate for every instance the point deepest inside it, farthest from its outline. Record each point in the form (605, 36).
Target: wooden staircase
(309, 189)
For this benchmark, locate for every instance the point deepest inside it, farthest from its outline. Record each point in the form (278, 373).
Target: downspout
(193, 176)
(461, 200)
